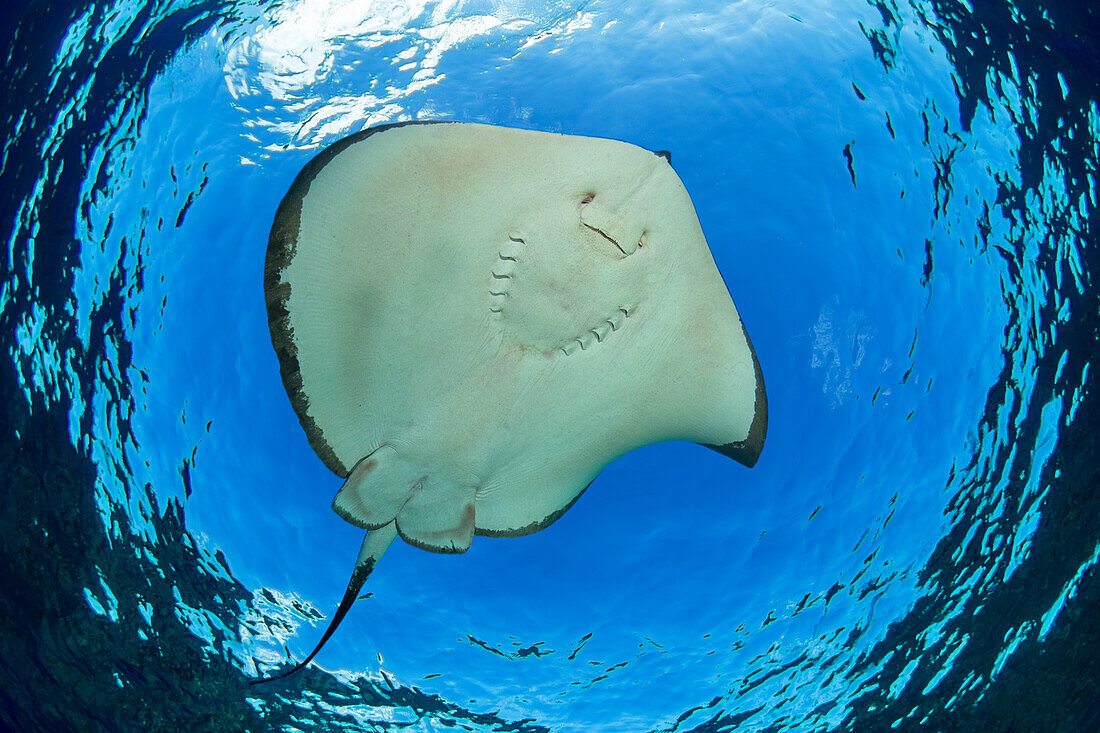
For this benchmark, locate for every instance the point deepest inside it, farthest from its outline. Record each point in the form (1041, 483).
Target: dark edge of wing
(533, 526)
(747, 451)
(281, 246)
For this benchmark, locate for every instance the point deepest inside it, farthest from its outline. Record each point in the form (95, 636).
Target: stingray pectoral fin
(747, 451)
(374, 546)
(528, 506)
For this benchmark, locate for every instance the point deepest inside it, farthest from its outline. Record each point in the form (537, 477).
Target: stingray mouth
(624, 249)
(625, 234)
(608, 222)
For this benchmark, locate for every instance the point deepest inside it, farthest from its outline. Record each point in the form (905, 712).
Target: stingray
(473, 321)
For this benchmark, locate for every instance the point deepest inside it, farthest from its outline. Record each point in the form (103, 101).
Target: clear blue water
(902, 199)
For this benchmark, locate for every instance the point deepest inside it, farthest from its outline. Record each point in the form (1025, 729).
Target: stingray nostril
(588, 198)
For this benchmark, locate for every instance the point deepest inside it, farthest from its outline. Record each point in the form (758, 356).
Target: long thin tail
(374, 546)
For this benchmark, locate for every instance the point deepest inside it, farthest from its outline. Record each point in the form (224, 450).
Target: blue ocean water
(902, 200)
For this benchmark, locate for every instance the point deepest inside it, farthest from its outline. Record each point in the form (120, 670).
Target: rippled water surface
(902, 199)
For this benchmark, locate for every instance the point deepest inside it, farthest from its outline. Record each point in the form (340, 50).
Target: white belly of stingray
(473, 321)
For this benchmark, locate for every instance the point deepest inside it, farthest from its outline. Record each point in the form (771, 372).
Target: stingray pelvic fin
(374, 546)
